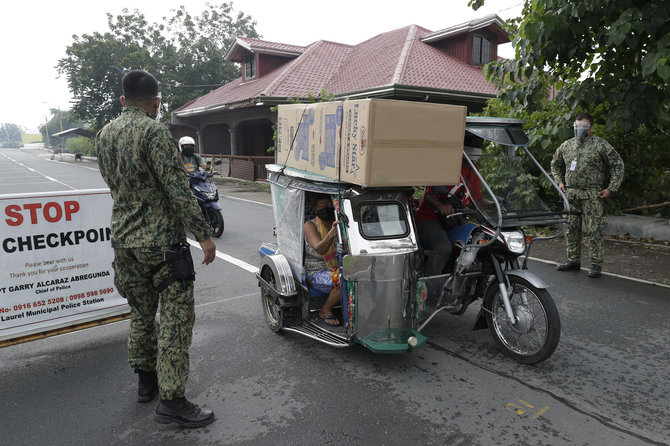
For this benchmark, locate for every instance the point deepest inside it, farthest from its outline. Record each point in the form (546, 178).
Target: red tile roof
(397, 57)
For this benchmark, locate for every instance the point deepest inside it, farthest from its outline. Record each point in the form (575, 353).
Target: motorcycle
(207, 196)
(386, 297)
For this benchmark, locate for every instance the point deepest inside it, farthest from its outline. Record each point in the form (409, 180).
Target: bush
(81, 144)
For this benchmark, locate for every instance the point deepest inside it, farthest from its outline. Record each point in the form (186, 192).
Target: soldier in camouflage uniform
(580, 166)
(153, 204)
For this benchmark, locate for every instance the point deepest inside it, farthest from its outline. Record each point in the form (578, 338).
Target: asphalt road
(607, 383)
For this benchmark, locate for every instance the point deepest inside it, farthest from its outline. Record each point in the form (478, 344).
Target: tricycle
(386, 298)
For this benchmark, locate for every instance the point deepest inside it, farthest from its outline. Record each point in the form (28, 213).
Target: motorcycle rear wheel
(535, 335)
(215, 220)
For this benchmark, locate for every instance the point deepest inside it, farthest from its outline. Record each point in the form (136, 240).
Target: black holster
(181, 265)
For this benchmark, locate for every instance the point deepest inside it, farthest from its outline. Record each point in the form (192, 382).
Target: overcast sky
(35, 34)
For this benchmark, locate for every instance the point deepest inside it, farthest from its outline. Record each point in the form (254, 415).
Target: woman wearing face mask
(321, 266)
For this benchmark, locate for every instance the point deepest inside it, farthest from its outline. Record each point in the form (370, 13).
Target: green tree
(60, 120)
(184, 52)
(611, 58)
(608, 58)
(10, 135)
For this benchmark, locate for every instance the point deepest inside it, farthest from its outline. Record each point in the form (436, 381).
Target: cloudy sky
(35, 34)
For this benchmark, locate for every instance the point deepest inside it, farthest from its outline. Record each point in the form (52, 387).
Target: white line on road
(248, 201)
(226, 300)
(38, 172)
(228, 258)
(604, 273)
(78, 165)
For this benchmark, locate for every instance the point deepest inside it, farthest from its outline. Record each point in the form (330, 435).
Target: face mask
(187, 151)
(326, 214)
(580, 132)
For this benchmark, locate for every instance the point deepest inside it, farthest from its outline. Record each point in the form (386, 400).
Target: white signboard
(55, 261)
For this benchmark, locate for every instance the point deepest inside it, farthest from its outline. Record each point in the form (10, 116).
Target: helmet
(186, 140)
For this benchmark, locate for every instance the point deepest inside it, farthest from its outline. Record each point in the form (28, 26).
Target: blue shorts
(320, 281)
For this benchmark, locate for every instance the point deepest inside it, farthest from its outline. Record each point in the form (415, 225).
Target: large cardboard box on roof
(308, 136)
(380, 142)
(400, 143)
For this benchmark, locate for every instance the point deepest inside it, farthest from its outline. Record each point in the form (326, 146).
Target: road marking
(605, 273)
(78, 165)
(248, 201)
(157, 314)
(226, 300)
(38, 172)
(228, 258)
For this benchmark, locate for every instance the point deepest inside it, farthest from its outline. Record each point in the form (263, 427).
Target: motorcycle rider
(190, 159)
(439, 202)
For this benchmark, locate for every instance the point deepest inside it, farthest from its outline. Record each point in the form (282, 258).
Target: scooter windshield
(514, 191)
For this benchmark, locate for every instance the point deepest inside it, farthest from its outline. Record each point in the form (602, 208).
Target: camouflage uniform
(593, 158)
(153, 204)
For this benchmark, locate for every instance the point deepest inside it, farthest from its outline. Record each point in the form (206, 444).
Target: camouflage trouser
(136, 279)
(586, 203)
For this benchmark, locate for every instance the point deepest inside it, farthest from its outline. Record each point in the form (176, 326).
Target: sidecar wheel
(215, 220)
(535, 335)
(271, 307)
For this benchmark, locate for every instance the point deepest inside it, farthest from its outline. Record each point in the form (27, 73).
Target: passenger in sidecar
(321, 267)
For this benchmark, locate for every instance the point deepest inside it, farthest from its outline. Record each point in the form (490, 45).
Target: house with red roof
(410, 63)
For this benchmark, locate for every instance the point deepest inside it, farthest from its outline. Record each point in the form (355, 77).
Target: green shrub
(81, 144)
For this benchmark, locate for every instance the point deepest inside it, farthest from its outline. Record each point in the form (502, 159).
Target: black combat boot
(147, 387)
(182, 411)
(569, 266)
(595, 271)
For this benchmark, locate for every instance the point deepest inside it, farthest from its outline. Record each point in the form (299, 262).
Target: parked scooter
(207, 195)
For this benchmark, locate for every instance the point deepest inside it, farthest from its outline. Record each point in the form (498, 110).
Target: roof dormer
(259, 57)
(475, 42)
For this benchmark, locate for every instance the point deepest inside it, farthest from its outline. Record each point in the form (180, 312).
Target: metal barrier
(250, 168)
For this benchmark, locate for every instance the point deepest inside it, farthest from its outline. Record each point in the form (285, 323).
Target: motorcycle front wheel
(215, 220)
(535, 334)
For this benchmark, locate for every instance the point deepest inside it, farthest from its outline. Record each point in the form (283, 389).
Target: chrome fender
(480, 320)
(285, 285)
(527, 275)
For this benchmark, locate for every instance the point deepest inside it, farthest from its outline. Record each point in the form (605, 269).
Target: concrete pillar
(234, 149)
(200, 139)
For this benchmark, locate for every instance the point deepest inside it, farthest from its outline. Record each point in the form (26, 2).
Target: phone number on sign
(59, 300)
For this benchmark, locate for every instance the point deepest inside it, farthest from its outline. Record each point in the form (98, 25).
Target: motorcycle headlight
(515, 240)
(211, 195)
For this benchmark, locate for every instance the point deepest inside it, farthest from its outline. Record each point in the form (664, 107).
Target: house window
(481, 50)
(249, 66)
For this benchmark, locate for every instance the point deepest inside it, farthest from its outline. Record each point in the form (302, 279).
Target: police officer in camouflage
(153, 204)
(580, 167)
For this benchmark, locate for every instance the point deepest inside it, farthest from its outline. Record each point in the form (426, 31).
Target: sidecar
(377, 253)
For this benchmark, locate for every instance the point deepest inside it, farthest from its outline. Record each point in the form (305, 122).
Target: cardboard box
(308, 136)
(383, 142)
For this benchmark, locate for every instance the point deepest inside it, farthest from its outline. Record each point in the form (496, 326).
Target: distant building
(410, 63)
